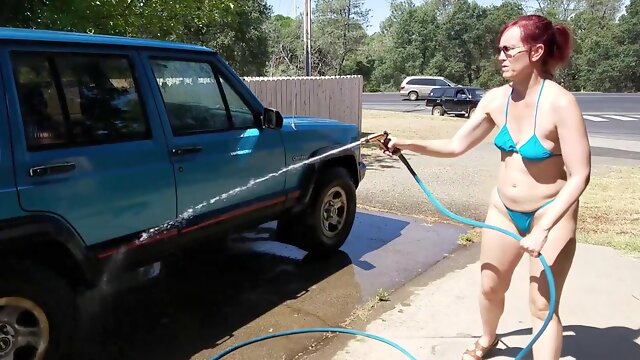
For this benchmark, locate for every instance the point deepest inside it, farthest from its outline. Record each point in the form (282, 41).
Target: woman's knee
(538, 305)
(493, 285)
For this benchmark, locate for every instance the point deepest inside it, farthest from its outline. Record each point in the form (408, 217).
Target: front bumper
(362, 170)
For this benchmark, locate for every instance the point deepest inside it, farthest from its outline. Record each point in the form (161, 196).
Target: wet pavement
(209, 298)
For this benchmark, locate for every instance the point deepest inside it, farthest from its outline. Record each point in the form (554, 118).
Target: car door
(448, 100)
(462, 100)
(86, 147)
(217, 146)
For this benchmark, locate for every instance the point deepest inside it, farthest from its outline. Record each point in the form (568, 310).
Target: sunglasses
(508, 51)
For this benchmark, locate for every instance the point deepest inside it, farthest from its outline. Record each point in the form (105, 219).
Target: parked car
(459, 101)
(111, 144)
(416, 87)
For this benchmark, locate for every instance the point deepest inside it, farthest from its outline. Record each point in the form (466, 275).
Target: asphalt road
(615, 115)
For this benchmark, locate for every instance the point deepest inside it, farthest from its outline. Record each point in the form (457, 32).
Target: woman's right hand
(393, 146)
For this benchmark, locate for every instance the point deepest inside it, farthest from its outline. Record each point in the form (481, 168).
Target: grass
(609, 208)
(410, 125)
(470, 237)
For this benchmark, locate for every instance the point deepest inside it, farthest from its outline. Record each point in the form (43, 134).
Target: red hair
(557, 39)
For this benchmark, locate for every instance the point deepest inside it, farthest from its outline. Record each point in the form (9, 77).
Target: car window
(437, 92)
(449, 93)
(71, 100)
(241, 115)
(476, 93)
(440, 82)
(191, 95)
(422, 82)
(461, 94)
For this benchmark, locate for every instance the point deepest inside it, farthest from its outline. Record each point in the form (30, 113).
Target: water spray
(383, 139)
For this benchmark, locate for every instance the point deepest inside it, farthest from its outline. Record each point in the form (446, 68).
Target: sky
(379, 9)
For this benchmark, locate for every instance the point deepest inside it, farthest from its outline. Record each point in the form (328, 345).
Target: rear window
(437, 92)
(450, 92)
(70, 100)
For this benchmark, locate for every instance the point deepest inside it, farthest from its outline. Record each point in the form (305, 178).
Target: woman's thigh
(558, 251)
(499, 253)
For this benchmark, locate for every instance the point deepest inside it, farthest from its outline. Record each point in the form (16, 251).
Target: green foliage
(234, 27)
(452, 38)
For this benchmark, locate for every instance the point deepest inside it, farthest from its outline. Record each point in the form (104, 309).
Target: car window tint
(440, 82)
(449, 93)
(241, 115)
(71, 100)
(192, 97)
(437, 92)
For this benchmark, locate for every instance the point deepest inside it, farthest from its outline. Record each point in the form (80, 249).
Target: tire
(34, 298)
(437, 110)
(413, 96)
(315, 229)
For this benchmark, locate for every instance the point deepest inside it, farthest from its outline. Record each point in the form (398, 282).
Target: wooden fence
(334, 97)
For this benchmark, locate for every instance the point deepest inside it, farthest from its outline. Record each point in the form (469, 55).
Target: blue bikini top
(532, 150)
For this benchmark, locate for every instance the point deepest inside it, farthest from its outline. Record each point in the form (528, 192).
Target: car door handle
(52, 169)
(186, 150)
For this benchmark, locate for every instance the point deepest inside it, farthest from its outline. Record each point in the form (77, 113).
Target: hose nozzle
(375, 137)
(382, 138)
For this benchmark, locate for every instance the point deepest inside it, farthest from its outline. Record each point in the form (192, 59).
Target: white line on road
(594, 118)
(623, 118)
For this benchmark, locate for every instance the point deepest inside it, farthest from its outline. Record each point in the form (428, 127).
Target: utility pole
(307, 37)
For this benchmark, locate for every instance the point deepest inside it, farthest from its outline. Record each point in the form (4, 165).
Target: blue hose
(314, 330)
(470, 222)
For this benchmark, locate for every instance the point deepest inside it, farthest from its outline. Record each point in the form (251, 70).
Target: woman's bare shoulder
(494, 98)
(562, 100)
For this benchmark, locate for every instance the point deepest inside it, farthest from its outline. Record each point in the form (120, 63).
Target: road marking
(623, 118)
(594, 118)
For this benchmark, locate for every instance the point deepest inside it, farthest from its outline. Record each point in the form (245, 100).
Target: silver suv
(419, 86)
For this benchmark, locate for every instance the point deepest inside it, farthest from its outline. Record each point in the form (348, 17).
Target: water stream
(180, 221)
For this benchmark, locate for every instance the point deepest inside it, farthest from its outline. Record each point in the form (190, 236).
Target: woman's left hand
(534, 242)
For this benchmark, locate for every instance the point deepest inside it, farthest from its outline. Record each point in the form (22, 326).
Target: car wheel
(413, 96)
(37, 313)
(437, 111)
(471, 112)
(327, 222)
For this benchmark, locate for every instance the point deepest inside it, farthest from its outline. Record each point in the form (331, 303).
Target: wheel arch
(51, 242)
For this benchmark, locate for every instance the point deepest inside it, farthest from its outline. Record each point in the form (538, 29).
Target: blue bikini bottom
(522, 220)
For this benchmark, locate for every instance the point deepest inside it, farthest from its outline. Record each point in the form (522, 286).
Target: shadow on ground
(206, 295)
(588, 343)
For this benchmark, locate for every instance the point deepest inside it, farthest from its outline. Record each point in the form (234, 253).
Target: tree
(234, 27)
(340, 30)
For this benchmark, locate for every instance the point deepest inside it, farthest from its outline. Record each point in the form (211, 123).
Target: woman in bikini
(545, 167)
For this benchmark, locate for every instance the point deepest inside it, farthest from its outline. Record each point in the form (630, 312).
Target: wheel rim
(334, 211)
(413, 96)
(24, 330)
(438, 112)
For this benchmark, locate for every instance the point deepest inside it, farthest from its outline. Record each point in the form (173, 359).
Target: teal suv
(112, 146)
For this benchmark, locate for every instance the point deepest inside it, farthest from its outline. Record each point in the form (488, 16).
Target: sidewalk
(439, 318)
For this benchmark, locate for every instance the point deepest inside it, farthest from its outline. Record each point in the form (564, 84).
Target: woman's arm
(478, 127)
(576, 153)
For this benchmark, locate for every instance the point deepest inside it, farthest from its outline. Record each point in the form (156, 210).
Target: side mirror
(272, 119)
